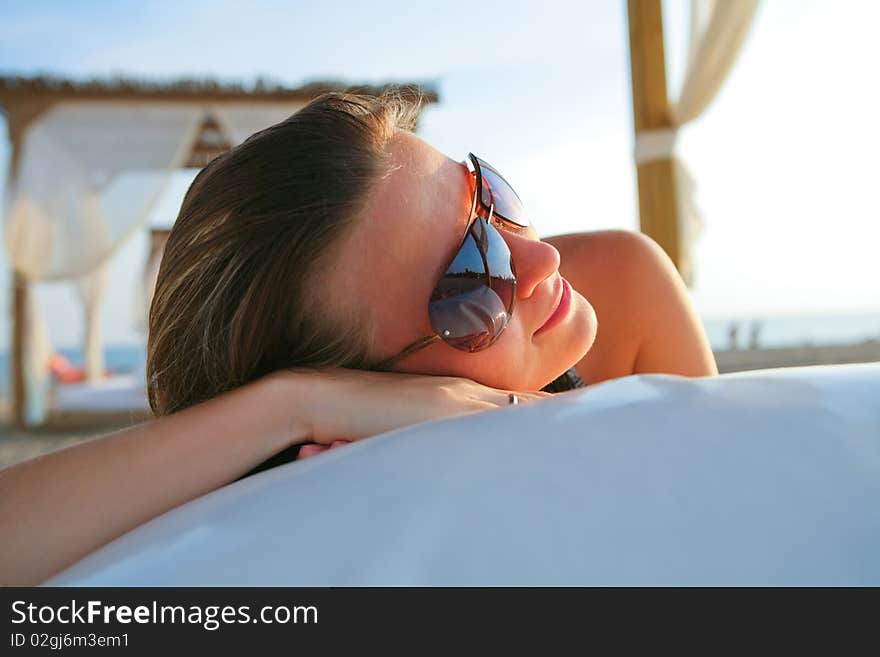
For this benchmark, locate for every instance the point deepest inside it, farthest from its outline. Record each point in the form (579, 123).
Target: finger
(310, 450)
(339, 443)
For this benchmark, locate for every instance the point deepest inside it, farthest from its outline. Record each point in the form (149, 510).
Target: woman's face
(411, 228)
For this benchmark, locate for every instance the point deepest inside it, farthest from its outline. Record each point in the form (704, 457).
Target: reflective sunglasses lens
(498, 191)
(472, 303)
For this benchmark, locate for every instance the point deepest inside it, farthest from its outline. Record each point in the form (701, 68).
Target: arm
(56, 509)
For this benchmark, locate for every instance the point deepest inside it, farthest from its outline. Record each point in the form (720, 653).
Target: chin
(587, 326)
(576, 338)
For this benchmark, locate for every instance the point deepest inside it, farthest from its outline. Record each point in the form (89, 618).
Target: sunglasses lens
(471, 304)
(498, 191)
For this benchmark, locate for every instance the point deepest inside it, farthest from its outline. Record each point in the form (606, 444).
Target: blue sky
(784, 159)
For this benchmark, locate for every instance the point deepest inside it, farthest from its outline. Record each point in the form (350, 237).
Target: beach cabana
(89, 160)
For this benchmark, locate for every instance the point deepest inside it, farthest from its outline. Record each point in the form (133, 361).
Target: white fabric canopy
(88, 175)
(240, 120)
(762, 478)
(717, 31)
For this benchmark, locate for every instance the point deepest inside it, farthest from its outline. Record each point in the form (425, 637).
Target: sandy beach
(18, 445)
(739, 360)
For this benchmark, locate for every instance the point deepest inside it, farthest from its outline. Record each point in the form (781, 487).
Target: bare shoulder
(602, 265)
(618, 262)
(603, 249)
(636, 291)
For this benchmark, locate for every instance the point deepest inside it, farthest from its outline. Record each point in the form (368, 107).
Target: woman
(324, 248)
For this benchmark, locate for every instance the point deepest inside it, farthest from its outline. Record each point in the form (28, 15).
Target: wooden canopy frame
(24, 100)
(658, 196)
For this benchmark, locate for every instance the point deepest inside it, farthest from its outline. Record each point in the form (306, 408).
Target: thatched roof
(15, 88)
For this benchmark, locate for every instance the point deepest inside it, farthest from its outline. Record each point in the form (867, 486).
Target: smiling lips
(561, 310)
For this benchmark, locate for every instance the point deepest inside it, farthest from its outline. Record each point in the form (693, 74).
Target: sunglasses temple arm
(386, 364)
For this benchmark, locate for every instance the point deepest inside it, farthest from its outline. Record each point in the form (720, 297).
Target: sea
(743, 332)
(769, 332)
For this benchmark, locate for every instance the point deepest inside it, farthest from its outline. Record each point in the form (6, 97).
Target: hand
(344, 405)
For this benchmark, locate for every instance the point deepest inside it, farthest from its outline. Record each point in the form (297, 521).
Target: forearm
(56, 509)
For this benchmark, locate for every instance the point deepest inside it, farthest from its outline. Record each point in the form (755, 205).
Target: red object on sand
(65, 372)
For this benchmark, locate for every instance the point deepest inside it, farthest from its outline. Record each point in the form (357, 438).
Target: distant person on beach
(733, 336)
(332, 278)
(755, 335)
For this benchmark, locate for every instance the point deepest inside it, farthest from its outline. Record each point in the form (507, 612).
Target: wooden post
(16, 356)
(18, 117)
(658, 201)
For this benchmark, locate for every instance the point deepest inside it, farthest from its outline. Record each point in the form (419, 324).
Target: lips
(561, 309)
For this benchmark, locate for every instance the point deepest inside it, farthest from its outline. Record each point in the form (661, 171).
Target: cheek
(397, 324)
(584, 329)
(510, 363)
(515, 361)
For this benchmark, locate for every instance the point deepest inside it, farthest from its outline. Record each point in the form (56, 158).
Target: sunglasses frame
(477, 206)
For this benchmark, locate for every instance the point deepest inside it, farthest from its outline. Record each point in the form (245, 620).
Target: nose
(533, 260)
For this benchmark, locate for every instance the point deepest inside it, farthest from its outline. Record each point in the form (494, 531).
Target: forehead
(406, 235)
(423, 180)
(424, 194)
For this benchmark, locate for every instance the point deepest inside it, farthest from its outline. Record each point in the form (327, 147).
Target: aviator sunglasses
(473, 301)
